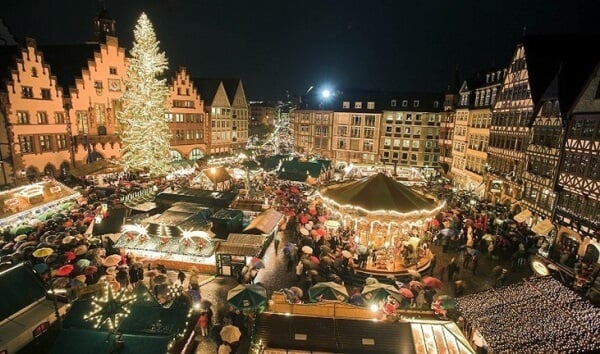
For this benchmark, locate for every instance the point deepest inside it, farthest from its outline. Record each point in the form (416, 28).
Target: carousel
(384, 220)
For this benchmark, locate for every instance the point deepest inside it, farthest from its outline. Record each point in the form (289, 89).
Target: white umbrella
(346, 254)
(307, 249)
(230, 334)
(304, 231)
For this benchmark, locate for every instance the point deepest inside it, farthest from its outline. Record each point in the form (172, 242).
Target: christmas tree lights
(145, 134)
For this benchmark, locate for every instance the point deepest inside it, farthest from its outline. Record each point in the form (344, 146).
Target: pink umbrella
(112, 260)
(315, 260)
(432, 282)
(406, 293)
(303, 219)
(322, 219)
(65, 270)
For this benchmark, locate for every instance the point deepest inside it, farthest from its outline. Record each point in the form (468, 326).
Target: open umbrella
(446, 302)
(415, 285)
(371, 281)
(432, 282)
(40, 268)
(61, 282)
(328, 291)
(406, 293)
(307, 249)
(297, 291)
(69, 256)
(65, 270)
(257, 263)
(112, 260)
(82, 263)
(42, 252)
(488, 237)
(247, 296)
(90, 270)
(22, 229)
(230, 334)
(375, 293)
(304, 231)
(346, 254)
(21, 237)
(448, 232)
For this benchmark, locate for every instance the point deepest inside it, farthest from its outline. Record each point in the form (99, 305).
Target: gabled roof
(231, 86)
(264, 223)
(570, 79)
(378, 192)
(67, 61)
(312, 168)
(208, 89)
(545, 54)
(217, 174)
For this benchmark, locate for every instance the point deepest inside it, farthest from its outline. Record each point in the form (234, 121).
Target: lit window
(346, 104)
(416, 103)
(393, 103)
(358, 105)
(370, 105)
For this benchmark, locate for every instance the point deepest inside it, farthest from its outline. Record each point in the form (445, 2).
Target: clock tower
(104, 25)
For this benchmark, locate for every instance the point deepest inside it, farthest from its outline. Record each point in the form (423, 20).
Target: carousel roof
(378, 192)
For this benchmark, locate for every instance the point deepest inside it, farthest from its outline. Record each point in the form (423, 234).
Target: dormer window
(404, 103)
(358, 105)
(393, 103)
(416, 103)
(370, 105)
(346, 104)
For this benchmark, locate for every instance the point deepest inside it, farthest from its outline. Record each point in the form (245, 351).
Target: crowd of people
(539, 309)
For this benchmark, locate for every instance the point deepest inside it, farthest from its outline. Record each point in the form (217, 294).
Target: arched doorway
(49, 170)
(176, 155)
(32, 173)
(591, 255)
(93, 156)
(196, 154)
(65, 167)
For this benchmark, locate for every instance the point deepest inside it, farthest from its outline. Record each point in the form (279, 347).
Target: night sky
(279, 45)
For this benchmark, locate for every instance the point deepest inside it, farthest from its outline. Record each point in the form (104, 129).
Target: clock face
(114, 85)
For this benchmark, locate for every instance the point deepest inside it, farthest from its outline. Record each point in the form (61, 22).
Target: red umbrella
(312, 211)
(315, 260)
(432, 282)
(321, 232)
(294, 190)
(65, 270)
(406, 293)
(90, 270)
(70, 256)
(303, 219)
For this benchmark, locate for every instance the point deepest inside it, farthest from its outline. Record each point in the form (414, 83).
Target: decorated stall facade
(179, 238)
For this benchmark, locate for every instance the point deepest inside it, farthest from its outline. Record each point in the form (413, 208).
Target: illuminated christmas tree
(145, 133)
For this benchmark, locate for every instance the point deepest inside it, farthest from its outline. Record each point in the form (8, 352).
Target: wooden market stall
(234, 253)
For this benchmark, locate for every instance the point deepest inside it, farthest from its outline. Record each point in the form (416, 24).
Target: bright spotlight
(326, 93)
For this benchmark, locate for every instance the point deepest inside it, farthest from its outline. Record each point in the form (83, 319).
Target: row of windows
(369, 120)
(185, 117)
(507, 142)
(481, 120)
(485, 97)
(580, 205)
(354, 144)
(358, 105)
(184, 134)
(512, 118)
(478, 142)
(404, 157)
(541, 198)
(41, 117)
(586, 166)
(548, 136)
(183, 103)
(27, 92)
(44, 143)
(585, 128)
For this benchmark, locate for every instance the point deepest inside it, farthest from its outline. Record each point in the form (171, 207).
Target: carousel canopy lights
(381, 196)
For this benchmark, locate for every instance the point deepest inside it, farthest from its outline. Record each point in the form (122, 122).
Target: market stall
(234, 253)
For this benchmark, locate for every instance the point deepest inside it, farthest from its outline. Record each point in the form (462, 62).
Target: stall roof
(242, 245)
(98, 167)
(15, 202)
(21, 288)
(249, 204)
(207, 198)
(264, 223)
(219, 175)
(138, 330)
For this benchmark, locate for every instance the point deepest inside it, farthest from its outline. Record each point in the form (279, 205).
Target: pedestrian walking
(452, 268)
(277, 240)
(432, 264)
(181, 277)
(202, 324)
(474, 264)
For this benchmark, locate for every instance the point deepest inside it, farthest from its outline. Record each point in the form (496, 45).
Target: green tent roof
(378, 192)
(148, 329)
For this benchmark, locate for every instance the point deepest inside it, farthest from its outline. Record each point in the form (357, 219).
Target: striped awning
(522, 216)
(542, 228)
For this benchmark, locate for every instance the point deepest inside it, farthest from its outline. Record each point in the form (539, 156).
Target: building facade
(312, 132)
(240, 114)
(186, 118)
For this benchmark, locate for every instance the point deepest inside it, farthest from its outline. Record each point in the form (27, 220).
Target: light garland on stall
(110, 307)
